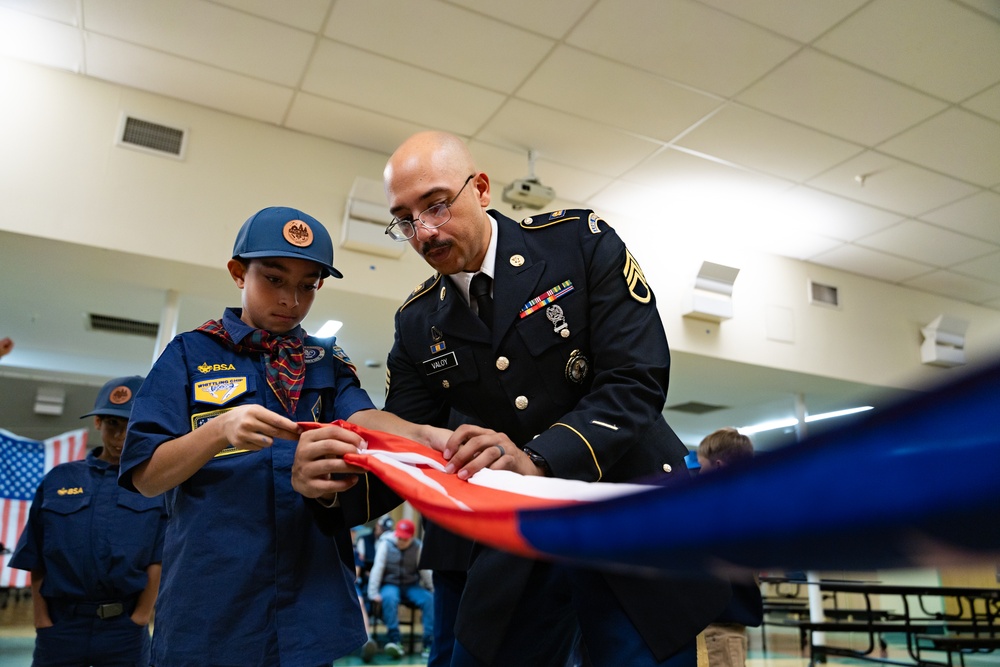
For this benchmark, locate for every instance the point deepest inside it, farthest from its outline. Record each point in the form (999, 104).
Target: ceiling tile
(984, 268)
(955, 142)
(180, 78)
(40, 41)
(442, 38)
(944, 48)
(987, 102)
(206, 33)
(871, 263)
(565, 139)
(692, 43)
(552, 17)
(803, 21)
(891, 184)
(301, 14)
(978, 215)
(346, 74)
(348, 124)
(836, 217)
(674, 170)
(504, 165)
(822, 92)
(925, 243)
(168, 75)
(63, 11)
(614, 94)
(950, 284)
(760, 141)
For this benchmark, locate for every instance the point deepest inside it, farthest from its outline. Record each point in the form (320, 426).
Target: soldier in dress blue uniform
(94, 551)
(257, 572)
(544, 337)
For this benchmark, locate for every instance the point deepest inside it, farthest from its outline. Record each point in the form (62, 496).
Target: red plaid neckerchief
(286, 369)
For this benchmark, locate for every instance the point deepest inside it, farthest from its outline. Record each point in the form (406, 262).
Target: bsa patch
(215, 368)
(297, 233)
(220, 390)
(75, 491)
(312, 353)
(635, 280)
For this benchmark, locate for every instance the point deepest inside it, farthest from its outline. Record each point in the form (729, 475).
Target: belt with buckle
(102, 610)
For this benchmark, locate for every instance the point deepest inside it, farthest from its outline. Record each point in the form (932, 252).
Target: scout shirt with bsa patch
(92, 539)
(250, 567)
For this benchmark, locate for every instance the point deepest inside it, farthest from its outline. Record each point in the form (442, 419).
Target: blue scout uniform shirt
(252, 571)
(91, 538)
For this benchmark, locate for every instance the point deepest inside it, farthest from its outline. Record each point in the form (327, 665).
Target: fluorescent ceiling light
(329, 329)
(792, 421)
(837, 413)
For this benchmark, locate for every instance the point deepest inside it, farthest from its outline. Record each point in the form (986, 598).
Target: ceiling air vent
(823, 295)
(695, 408)
(151, 137)
(123, 325)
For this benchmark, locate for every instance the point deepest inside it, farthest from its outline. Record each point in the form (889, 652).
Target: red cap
(405, 529)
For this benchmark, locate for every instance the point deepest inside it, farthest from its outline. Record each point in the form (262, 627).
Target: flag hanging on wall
(23, 463)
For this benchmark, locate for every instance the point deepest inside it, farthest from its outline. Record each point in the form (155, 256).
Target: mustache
(429, 246)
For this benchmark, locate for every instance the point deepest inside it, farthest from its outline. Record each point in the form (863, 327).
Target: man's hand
(319, 470)
(473, 448)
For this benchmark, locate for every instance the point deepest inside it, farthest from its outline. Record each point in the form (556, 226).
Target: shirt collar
(463, 278)
(238, 329)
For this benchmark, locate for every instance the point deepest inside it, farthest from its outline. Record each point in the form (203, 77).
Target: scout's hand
(473, 448)
(254, 427)
(319, 470)
(6, 345)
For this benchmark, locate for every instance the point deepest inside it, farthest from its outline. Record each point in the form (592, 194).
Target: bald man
(543, 338)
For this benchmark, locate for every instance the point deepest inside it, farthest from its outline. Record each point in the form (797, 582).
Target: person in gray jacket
(395, 577)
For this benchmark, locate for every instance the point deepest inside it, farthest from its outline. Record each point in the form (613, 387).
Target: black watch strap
(538, 460)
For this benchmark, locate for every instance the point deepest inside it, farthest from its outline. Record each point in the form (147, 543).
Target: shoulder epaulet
(543, 220)
(421, 289)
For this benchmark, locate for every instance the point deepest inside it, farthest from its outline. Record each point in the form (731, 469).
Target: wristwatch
(538, 460)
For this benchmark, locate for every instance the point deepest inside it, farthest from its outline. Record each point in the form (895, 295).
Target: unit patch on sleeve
(635, 280)
(219, 391)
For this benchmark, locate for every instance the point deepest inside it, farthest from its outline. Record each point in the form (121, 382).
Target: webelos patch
(219, 391)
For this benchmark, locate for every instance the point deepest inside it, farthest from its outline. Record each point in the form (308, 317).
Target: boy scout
(254, 573)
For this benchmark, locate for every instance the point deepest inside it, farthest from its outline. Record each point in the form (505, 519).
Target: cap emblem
(120, 395)
(297, 233)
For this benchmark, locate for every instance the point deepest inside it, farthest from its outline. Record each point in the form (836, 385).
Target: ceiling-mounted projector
(528, 192)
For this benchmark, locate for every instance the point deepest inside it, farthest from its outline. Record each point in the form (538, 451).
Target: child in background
(94, 551)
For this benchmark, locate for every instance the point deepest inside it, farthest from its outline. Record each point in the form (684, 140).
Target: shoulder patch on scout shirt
(421, 289)
(635, 280)
(338, 353)
(219, 391)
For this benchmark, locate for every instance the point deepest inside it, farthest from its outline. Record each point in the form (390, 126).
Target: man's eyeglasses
(431, 218)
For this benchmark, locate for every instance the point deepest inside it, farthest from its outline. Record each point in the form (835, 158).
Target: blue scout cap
(116, 398)
(279, 231)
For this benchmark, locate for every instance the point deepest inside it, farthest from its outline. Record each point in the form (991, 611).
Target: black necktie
(479, 291)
